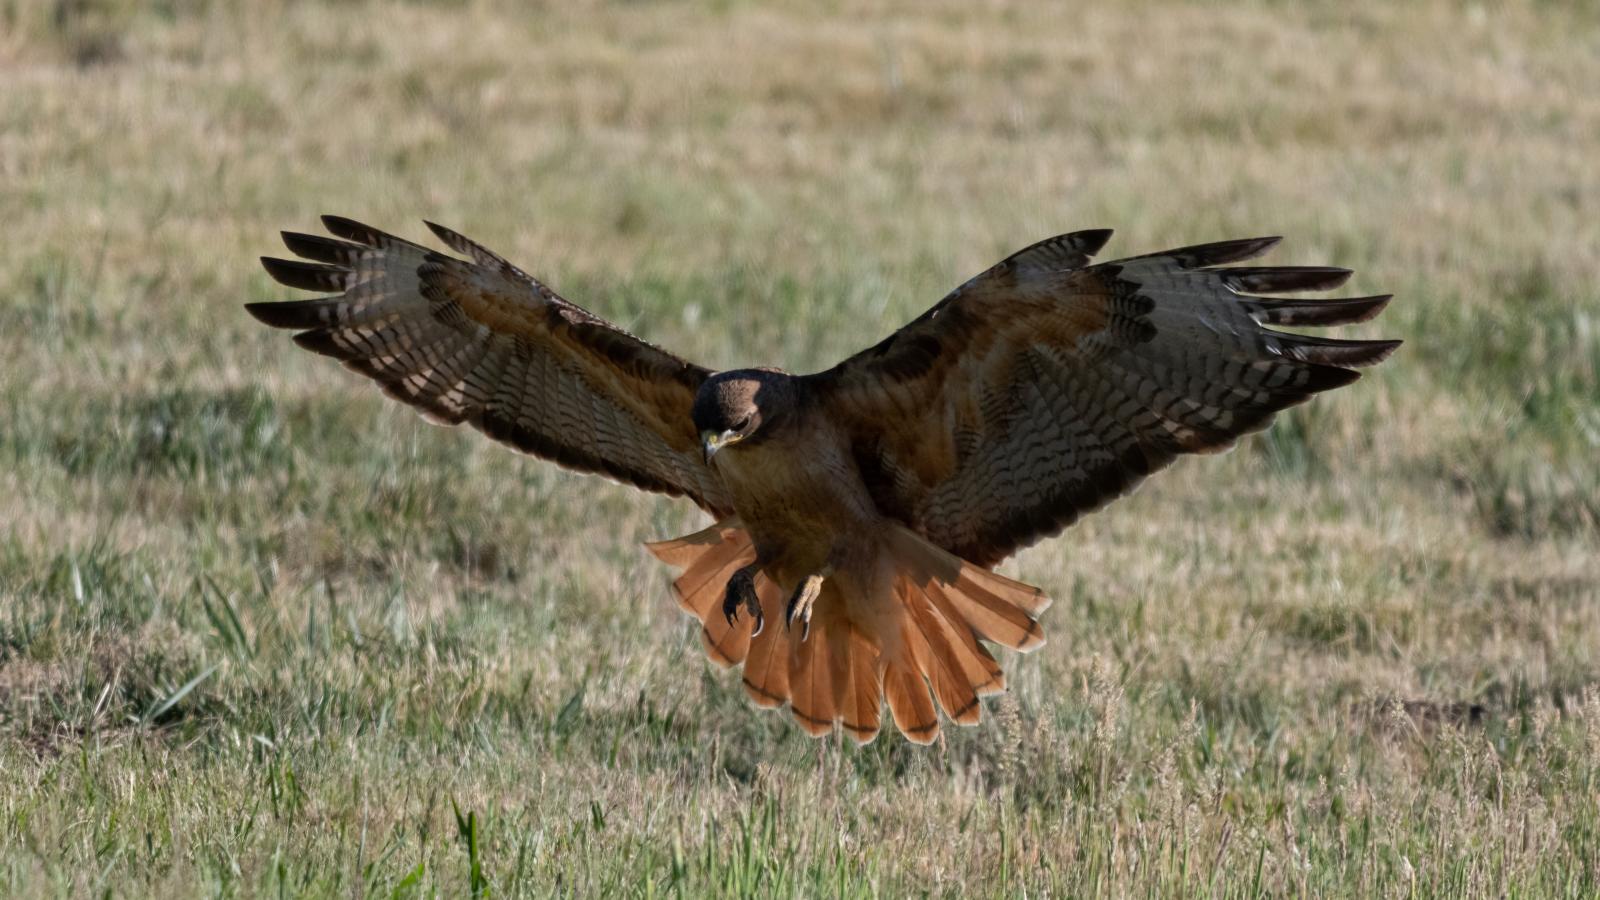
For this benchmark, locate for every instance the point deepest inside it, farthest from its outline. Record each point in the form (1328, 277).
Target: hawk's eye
(744, 422)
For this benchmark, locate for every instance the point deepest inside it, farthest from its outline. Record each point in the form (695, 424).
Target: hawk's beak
(711, 442)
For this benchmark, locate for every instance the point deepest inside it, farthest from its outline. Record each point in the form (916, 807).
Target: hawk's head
(740, 405)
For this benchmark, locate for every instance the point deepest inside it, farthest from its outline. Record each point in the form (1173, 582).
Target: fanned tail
(709, 558)
(912, 639)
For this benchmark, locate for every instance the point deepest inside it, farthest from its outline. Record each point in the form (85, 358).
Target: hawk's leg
(801, 601)
(742, 592)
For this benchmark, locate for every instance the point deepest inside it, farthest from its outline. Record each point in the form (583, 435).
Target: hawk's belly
(804, 505)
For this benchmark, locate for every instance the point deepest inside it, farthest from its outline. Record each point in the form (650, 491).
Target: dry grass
(261, 632)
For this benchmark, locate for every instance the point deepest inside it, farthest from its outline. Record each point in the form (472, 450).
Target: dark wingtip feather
(1220, 252)
(350, 229)
(1326, 377)
(452, 238)
(463, 244)
(1331, 352)
(1240, 249)
(1091, 241)
(1072, 250)
(1360, 309)
(1340, 311)
(1373, 353)
(294, 314)
(306, 276)
(1279, 279)
(321, 249)
(321, 341)
(366, 235)
(268, 314)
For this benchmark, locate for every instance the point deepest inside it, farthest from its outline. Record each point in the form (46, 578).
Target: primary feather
(484, 343)
(1045, 387)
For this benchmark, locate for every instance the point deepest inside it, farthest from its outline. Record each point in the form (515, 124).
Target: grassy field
(264, 633)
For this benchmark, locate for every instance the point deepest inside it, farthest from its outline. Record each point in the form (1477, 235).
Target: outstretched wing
(484, 343)
(1045, 386)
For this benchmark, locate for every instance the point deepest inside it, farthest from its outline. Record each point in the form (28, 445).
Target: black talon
(741, 591)
(752, 603)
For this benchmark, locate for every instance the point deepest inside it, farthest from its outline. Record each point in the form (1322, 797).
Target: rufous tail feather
(925, 651)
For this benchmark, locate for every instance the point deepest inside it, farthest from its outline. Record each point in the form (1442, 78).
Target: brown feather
(726, 645)
(321, 249)
(680, 552)
(810, 687)
(841, 677)
(1282, 279)
(702, 586)
(481, 342)
(861, 707)
(766, 668)
(1344, 311)
(991, 617)
(306, 275)
(1045, 387)
(943, 662)
(968, 658)
(910, 705)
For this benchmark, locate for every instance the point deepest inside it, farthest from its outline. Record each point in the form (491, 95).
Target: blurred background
(261, 630)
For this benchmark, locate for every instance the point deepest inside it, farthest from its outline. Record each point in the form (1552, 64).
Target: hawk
(862, 508)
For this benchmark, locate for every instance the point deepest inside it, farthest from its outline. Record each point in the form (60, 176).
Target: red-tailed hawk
(861, 508)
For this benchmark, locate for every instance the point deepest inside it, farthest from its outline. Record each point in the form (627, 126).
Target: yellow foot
(800, 603)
